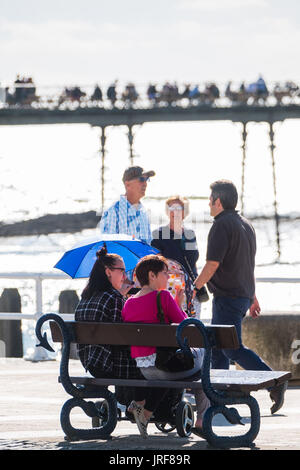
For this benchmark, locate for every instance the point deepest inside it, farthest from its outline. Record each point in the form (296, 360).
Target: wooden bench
(222, 387)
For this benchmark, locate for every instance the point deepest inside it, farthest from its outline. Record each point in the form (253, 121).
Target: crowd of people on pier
(23, 93)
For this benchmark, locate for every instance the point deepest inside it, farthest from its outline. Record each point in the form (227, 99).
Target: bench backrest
(144, 334)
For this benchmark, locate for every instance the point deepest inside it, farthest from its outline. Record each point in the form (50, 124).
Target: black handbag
(170, 359)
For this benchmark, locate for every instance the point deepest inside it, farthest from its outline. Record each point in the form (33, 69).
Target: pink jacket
(144, 310)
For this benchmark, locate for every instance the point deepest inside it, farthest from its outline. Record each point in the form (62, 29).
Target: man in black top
(229, 274)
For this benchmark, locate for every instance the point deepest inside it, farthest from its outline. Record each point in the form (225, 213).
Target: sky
(185, 40)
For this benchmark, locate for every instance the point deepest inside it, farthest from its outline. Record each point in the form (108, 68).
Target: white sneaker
(139, 416)
(130, 407)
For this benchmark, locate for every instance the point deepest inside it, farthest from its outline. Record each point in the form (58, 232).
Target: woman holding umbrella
(102, 301)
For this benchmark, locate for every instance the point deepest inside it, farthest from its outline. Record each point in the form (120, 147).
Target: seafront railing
(40, 277)
(39, 353)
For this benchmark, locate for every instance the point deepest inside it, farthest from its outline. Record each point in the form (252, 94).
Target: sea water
(40, 253)
(56, 169)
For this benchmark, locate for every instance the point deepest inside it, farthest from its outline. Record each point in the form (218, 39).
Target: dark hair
(98, 280)
(226, 191)
(154, 263)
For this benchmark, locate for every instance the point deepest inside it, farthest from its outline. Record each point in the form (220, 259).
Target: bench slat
(231, 380)
(249, 380)
(142, 334)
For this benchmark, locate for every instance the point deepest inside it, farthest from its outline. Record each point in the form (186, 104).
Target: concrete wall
(276, 338)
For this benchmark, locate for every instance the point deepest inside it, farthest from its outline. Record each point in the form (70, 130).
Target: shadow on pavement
(137, 443)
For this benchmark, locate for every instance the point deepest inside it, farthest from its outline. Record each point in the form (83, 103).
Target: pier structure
(131, 116)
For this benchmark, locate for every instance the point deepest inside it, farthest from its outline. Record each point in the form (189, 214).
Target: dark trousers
(152, 396)
(231, 311)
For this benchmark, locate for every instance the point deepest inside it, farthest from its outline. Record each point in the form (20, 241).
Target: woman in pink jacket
(152, 274)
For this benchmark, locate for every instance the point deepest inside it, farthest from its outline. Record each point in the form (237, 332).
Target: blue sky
(196, 40)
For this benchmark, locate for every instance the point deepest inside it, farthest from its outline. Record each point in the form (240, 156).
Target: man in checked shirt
(128, 215)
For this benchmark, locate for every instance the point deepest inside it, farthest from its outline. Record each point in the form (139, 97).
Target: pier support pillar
(244, 136)
(130, 140)
(102, 151)
(276, 216)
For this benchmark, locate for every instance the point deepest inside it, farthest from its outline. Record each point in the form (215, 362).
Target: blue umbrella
(79, 261)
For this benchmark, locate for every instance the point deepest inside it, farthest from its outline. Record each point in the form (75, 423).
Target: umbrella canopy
(79, 261)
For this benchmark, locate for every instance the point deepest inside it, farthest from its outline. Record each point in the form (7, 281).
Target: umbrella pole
(102, 150)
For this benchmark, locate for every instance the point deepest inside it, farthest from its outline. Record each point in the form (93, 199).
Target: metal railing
(138, 96)
(40, 277)
(39, 353)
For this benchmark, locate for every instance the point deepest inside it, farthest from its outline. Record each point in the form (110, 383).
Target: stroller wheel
(184, 419)
(102, 418)
(165, 427)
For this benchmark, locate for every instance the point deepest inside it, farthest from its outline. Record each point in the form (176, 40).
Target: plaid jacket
(115, 360)
(123, 217)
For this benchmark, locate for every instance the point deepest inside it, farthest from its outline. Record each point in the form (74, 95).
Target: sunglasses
(120, 269)
(175, 207)
(143, 179)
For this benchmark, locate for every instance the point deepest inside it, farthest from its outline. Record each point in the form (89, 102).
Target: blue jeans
(231, 311)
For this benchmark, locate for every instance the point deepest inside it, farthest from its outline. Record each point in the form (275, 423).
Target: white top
(146, 361)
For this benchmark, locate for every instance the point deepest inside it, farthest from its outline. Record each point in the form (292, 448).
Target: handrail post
(39, 295)
(40, 353)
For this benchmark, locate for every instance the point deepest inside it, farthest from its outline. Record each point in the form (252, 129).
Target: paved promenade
(31, 399)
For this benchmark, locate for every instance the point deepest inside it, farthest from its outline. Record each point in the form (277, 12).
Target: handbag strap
(160, 312)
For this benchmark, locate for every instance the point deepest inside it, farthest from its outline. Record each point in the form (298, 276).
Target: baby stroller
(174, 412)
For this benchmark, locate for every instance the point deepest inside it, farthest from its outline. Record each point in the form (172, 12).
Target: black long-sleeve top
(172, 246)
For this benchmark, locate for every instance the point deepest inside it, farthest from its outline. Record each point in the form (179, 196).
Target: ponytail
(102, 253)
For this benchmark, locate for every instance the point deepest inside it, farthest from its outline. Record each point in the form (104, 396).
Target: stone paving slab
(31, 399)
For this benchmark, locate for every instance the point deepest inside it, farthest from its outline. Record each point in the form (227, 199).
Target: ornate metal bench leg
(107, 425)
(220, 400)
(222, 442)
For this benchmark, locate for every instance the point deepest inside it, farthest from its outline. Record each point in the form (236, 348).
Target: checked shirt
(123, 217)
(114, 360)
